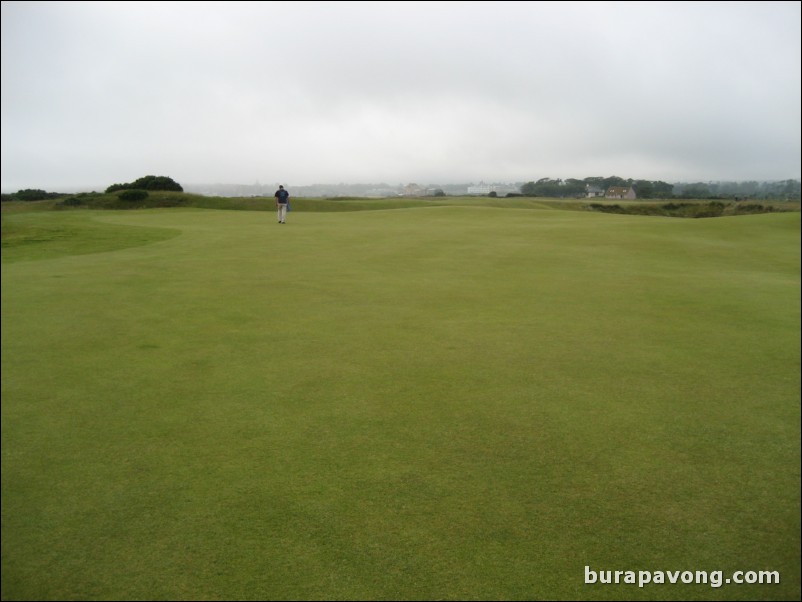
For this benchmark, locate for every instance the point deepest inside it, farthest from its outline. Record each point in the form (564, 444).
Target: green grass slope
(443, 402)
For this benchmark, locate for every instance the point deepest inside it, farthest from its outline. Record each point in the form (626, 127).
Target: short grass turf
(420, 403)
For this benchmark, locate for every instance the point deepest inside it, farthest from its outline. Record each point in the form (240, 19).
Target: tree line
(146, 183)
(650, 189)
(544, 187)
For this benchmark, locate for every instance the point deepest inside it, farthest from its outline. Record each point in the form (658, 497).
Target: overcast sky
(96, 93)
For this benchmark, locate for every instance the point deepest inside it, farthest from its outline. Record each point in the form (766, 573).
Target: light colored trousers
(282, 212)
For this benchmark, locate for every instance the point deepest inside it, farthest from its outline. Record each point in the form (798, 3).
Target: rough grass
(428, 403)
(163, 199)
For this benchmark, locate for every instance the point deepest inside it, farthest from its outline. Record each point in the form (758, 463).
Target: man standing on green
(282, 203)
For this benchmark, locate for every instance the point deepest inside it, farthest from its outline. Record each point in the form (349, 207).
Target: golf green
(437, 402)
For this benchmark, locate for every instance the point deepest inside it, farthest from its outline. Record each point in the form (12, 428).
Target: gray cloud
(95, 93)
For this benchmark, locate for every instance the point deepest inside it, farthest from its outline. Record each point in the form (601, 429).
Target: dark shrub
(157, 183)
(133, 195)
(30, 194)
(148, 183)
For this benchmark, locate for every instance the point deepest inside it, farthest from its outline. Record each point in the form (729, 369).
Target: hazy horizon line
(86, 188)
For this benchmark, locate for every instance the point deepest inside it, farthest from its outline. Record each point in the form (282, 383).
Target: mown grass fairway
(423, 403)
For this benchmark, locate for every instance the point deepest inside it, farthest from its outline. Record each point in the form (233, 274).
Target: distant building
(620, 192)
(481, 188)
(593, 192)
(381, 192)
(414, 190)
(500, 188)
